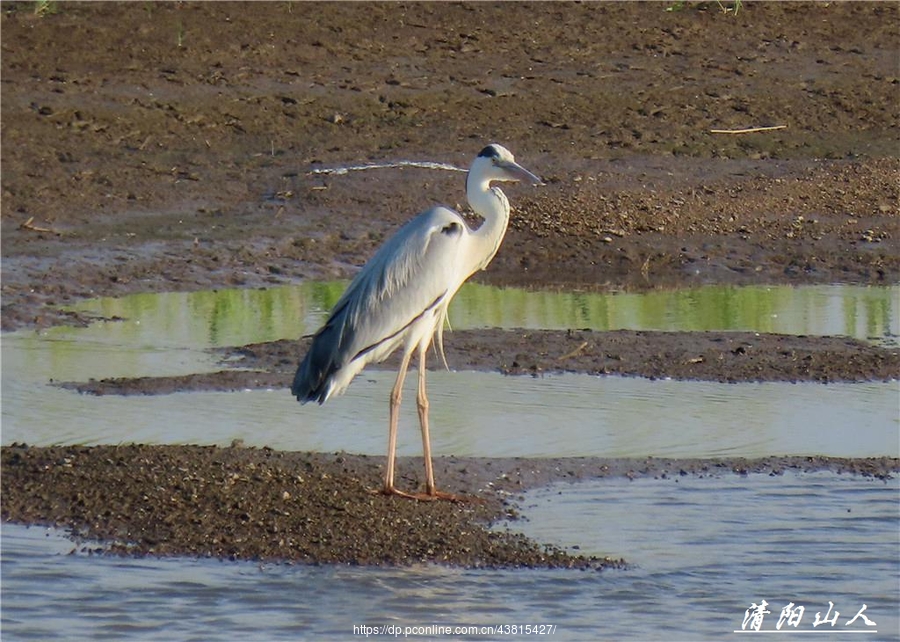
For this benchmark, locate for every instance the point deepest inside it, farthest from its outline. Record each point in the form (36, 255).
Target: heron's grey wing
(413, 273)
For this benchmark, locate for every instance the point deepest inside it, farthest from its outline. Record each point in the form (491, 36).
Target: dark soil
(240, 503)
(166, 146)
(155, 147)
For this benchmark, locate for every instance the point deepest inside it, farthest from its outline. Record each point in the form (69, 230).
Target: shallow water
(553, 416)
(237, 317)
(703, 549)
(168, 334)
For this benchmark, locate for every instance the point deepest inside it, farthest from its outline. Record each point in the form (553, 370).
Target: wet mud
(151, 147)
(179, 158)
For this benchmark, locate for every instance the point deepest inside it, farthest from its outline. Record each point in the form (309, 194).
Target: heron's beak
(519, 173)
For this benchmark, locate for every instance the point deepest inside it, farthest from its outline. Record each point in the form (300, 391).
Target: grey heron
(401, 296)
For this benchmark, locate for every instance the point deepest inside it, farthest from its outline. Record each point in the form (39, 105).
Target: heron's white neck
(491, 204)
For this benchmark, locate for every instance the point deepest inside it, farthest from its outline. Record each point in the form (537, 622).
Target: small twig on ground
(748, 130)
(30, 226)
(569, 355)
(645, 269)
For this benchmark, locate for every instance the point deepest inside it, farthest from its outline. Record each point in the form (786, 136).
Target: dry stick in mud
(31, 227)
(749, 130)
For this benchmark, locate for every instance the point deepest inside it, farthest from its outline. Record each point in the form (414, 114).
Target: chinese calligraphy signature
(792, 614)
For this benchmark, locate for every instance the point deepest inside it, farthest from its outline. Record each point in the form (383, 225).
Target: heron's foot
(434, 495)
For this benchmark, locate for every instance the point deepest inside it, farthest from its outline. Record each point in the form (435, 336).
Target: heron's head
(496, 163)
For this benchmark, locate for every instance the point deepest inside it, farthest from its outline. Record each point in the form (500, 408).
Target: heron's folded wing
(410, 275)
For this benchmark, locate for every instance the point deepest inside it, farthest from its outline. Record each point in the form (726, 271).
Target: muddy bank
(178, 158)
(755, 224)
(708, 356)
(260, 504)
(247, 504)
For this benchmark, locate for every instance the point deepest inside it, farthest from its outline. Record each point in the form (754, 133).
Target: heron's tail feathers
(313, 380)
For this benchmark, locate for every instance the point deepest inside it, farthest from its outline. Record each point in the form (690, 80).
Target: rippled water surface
(702, 550)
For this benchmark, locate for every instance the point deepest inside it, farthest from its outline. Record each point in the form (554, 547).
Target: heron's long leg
(396, 394)
(422, 406)
(431, 492)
